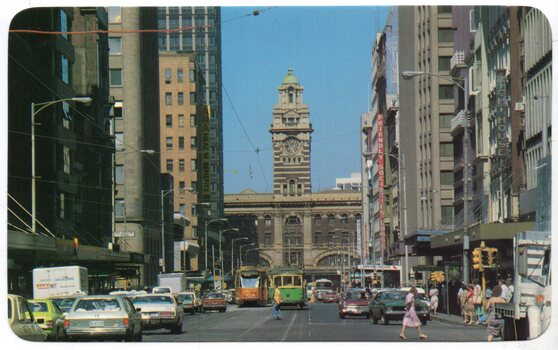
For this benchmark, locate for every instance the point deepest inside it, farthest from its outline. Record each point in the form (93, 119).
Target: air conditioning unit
(519, 106)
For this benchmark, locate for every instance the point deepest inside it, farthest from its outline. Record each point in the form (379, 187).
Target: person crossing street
(275, 307)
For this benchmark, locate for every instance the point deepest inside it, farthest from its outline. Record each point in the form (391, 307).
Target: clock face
(292, 145)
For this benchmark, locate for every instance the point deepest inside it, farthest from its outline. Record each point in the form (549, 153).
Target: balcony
(458, 122)
(457, 60)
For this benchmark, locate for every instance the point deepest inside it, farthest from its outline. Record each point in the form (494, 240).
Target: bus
(292, 285)
(251, 286)
(322, 285)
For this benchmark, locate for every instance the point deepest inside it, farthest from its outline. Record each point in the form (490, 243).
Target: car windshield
(64, 304)
(394, 296)
(421, 296)
(39, 306)
(152, 299)
(186, 297)
(355, 296)
(324, 285)
(97, 305)
(249, 282)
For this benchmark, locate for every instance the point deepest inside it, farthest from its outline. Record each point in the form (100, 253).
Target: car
(330, 296)
(64, 303)
(160, 311)
(49, 317)
(353, 302)
(162, 290)
(189, 301)
(214, 301)
(390, 305)
(106, 317)
(228, 295)
(22, 321)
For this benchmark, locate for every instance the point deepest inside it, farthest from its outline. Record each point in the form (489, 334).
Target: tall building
(293, 225)
(134, 76)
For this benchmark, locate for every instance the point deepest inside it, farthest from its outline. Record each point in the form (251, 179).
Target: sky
(329, 49)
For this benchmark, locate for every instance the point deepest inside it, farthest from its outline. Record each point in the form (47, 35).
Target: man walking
(275, 310)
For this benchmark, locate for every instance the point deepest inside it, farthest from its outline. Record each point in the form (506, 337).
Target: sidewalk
(451, 319)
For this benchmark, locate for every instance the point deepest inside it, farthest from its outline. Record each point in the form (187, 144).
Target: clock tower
(291, 137)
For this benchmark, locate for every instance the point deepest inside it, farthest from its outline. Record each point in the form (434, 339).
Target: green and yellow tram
(291, 283)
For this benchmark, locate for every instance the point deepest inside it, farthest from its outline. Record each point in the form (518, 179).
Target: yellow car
(49, 317)
(21, 320)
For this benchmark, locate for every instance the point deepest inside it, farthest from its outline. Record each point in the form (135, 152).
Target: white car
(160, 311)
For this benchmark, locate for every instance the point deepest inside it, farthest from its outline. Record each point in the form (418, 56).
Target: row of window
(181, 165)
(296, 239)
(169, 143)
(179, 75)
(169, 120)
(180, 98)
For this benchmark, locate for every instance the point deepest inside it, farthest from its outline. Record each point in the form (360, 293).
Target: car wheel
(423, 320)
(301, 306)
(383, 320)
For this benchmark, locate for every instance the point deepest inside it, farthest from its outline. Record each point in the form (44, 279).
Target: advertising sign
(381, 177)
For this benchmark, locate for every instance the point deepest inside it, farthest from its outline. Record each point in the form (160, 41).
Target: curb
(454, 320)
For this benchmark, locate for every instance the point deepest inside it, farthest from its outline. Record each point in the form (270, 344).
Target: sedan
(103, 317)
(353, 303)
(390, 306)
(188, 300)
(49, 317)
(330, 297)
(214, 301)
(160, 311)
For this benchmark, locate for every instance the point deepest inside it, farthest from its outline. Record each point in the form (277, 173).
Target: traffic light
(437, 276)
(477, 262)
(493, 257)
(485, 257)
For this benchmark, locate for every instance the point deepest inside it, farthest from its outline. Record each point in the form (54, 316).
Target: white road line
(254, 326)
(289, 327)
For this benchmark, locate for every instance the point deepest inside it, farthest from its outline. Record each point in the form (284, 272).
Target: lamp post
(465, 89)
(221, 261)
(232, 251)
(207, 223)
(34, 112)
(164, 193)
(240, 251)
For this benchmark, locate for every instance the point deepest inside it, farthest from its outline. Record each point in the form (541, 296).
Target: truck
(527, 315)
(59, 281)
(171, 283)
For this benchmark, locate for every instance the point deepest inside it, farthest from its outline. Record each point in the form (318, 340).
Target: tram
(291, 283)
(251, 286)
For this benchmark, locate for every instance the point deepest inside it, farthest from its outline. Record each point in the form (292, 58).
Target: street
(318, 323)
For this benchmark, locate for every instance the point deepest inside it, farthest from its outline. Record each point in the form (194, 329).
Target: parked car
(214, 301)
(189, 301)
(330, 296)
(49, 317)
(160, 311)
(353, 302)
(103, 317)
(22, 321)
(64, 303)
(390, 306)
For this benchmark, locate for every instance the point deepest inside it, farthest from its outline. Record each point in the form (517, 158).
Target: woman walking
(411, 319)
(493, 325)
(433, 299)
(477, 301)
(467, 304)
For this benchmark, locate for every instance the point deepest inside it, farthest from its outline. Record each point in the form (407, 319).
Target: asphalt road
(318, 323)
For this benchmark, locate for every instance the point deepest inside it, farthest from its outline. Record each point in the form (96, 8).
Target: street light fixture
(221, 261)
(465, 89)
(34, 112)
(164, 193)
(232, 251)
(207, 223)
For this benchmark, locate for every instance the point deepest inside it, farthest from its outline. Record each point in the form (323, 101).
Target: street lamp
(465, 89)
(403, 189)
(207, 223)
(221, 261)
(232, 251)
(245, 246)
(34, 112)
(164, 193)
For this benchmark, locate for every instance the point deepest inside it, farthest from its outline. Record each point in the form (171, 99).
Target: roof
(290, 78)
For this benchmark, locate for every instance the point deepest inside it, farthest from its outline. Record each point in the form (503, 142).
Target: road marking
(289, 327)
(254, 326)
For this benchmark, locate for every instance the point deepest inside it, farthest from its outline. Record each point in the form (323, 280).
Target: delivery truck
(59, 281)
(170, 283)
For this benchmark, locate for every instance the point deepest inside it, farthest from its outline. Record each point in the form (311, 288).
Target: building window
(181, 120)
(194, 186)
(331, 238)
(180, 98)
(445, 121)
(168, 98)
(61, 205)
(267, 220)
(192, 98)
(268, 239)
(193, 164)
(193, 120)
(118, 109)
(169, 165)
(192, 75)
(446, 215)
(115, 45)
(446, 177)
(445, 35)
(66, 118)
(67, 159)
(181, 184)
(444, 63)
(182, 209)
(444, 9)
(115, 14)
(119, 141)
(344, 219)
(64, 69)
(119, 209)
(181, 142)
(119, 174)
(192, 142)
(169, 142)
(331, 219)
(168, 75)
(168, 120)
(345, 237)
(116, 77)
(181, 166)
(445, 91)
(317, 237)
(317, 220)
(180, 75)
(446, 149)
(64, 23)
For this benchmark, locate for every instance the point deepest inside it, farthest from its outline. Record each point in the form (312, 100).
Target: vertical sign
(381, 177)
(501, 114)
(204, 171)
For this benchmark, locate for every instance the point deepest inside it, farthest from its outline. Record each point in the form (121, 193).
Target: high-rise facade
(134, 76)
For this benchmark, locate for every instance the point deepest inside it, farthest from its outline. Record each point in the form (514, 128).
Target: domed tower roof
(290, 78)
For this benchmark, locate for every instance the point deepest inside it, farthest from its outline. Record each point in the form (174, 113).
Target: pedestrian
(477, 301)
(460, 299)
(411, 319)
(493, 325)
(275, 307)
(506, 293)
(433, 293)
(509, 284)
(467, 302)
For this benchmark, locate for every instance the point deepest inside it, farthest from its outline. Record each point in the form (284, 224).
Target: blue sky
(329, 49)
